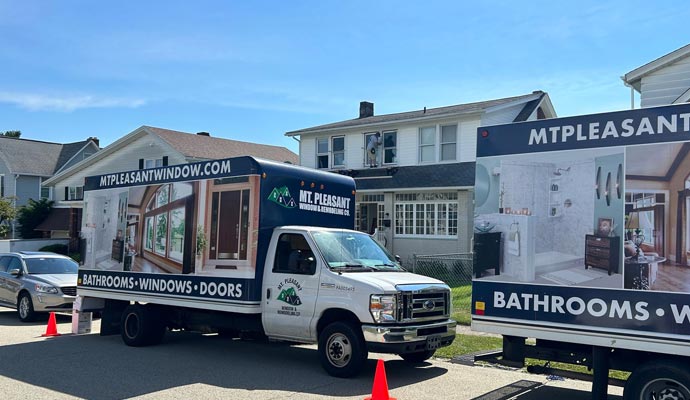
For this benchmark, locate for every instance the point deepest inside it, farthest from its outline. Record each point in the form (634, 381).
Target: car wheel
(418, 356)
(140, 326)
(342, 350)
(25, 308)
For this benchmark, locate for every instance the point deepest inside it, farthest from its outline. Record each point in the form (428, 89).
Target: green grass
(464, 344)
(462, 303)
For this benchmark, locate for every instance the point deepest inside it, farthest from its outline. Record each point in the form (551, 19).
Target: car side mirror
(398, 259)
(15, 272)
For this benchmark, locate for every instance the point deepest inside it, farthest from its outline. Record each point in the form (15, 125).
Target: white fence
(14, 245)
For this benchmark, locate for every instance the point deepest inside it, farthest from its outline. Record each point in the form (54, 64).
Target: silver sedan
(35, 282)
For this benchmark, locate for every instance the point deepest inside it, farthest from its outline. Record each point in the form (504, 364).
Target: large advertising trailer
(588, 221)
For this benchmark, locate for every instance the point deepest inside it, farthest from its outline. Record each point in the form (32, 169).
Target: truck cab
(343, 290)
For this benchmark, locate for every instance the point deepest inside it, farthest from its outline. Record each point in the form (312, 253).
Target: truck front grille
(424, 305)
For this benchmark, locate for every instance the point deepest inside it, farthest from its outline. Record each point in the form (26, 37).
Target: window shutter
(165, 161)
(66, 193)
(141, 163)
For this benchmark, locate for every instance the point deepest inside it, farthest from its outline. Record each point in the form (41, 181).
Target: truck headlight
(382, 307)
(46, 289)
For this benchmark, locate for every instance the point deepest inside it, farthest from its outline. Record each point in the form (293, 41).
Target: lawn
(462, 303)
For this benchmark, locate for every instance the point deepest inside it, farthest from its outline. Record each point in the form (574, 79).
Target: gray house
(25, 164)
(414, 170)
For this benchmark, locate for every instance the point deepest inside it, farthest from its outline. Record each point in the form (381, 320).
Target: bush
(76, 257)
(55, 248)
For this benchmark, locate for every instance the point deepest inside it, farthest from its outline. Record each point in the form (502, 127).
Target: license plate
(433, 342)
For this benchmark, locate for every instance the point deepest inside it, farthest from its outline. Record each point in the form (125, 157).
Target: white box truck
(246, 246)
(589, 217)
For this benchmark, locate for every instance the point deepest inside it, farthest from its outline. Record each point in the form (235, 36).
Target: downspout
(632, 92)
(14, 205)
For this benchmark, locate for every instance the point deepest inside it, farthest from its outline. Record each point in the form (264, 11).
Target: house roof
(34, 157)
(191, 146)
(208, 147)
(634, 77)
(452, 175)
(459, 109)
(57, 220)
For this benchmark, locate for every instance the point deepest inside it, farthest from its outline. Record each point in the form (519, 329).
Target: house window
(338, 151)
(153, 163)
(427, 144)
(75, 193)
(372, 142)
(45, 193)
(449, 139)
(426, 214)
(165, 221)
(390, 147)
(322, 153)
(2, 185)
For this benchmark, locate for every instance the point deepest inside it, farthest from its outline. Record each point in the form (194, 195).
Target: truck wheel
(342, 350)
(141, 326)
(25, 308)
(418, 356)
(658, 380)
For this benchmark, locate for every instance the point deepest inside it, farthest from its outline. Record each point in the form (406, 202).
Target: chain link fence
(454, 269)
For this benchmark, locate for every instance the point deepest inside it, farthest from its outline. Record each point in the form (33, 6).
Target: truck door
(291, 288)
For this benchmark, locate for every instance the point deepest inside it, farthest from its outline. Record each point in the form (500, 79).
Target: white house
(145, 147)
(417, 184)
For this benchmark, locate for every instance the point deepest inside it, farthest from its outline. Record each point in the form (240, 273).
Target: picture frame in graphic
(604, 227)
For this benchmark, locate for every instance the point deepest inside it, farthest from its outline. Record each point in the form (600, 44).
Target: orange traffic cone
(380, 389)
(51, 329)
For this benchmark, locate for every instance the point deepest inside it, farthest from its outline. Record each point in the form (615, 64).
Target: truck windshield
(354, 251)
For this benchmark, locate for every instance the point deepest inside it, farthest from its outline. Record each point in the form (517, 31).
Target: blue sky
(254, 70)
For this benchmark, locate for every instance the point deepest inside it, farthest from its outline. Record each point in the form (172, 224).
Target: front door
(291, 288)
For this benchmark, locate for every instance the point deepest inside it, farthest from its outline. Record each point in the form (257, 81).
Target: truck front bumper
(409, 338)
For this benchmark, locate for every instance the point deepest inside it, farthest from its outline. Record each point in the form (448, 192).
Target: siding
(125, 159)
(407, 146)
(664, 86)
(28, 187)
(80, 156)
(502, 116)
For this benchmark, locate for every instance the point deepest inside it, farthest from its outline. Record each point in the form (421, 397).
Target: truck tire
(418, 356)
(659, 380)
(141, 326)
(25, 308)
(342, 350)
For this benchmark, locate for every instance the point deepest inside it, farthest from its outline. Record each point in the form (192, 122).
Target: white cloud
(68, 103)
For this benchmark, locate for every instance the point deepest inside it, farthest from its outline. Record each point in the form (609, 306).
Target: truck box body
(570, 200)
(157, 220)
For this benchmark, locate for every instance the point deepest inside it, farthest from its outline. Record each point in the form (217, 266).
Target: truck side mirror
(15, 272)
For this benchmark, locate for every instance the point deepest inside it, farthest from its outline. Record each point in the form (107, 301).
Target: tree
(14, 134)
(7, 214)
(31, 215)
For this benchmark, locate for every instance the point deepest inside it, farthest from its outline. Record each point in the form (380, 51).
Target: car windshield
(354, 251)
(51, 265)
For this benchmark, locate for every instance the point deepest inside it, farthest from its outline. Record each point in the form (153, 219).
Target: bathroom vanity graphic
(551, 208)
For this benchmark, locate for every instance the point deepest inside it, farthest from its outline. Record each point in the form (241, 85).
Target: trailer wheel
(141, 326)
(663, 380)
(418, 356)
(342, 350)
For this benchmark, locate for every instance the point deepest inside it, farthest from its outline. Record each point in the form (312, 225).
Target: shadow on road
(96, 367)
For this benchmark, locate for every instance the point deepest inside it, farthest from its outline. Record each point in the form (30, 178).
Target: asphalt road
(195, 366)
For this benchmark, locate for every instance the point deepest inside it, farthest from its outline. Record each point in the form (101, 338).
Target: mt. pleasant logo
(282, 197)
(288, 294)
